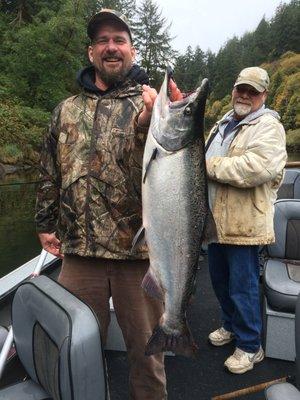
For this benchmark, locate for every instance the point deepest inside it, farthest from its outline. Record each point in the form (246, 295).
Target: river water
(18, 239)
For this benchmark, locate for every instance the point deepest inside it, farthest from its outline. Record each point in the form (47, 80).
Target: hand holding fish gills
(175, 210)
(149, 95)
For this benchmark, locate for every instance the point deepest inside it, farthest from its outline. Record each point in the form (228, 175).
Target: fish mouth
(201, 92)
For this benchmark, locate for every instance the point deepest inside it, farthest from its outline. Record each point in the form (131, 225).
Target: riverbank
(10, 169)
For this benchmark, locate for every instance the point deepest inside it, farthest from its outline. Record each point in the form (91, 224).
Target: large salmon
(175, 211)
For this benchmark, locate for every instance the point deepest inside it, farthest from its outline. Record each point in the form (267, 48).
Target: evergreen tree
(128, 7)
(183, 70)
(262, 43)
(40, 59)
(153, 40)
(210, 66)
(23, 11)
(227, 66)
(199, 66)
(285, 29)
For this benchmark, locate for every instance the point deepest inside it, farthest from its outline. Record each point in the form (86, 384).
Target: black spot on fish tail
(151, 287)
(153, 156)
(182, 344)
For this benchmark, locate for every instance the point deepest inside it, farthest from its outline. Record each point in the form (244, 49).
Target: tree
(153, 40)
(285, 29)
(262, 43)
(182, 70)
(40, 59)
(190, 69)
(227, 66)
(128, 7)
(24, 11)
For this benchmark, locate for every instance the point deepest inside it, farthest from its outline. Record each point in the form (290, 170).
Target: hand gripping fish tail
(180, 344)
(175, 211)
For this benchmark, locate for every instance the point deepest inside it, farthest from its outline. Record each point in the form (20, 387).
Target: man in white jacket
(245, 156)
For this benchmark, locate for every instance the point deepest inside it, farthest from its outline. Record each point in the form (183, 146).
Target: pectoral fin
(138, 240)
(151, 286)
(153, 156)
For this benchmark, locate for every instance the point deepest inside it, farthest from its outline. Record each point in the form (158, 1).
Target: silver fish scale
(174, 212)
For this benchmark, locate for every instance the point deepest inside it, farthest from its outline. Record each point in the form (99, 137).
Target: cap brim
(255, 85)
(99, 18)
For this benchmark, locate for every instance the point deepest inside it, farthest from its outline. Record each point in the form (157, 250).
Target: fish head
(174, 125)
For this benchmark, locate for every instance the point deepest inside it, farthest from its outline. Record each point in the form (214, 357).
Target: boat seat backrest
(297, 341)
(287, 230)
(3, 336)
(58, 341)
(290, 186)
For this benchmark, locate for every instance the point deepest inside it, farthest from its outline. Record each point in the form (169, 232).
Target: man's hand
(50, 243)
(149, 95)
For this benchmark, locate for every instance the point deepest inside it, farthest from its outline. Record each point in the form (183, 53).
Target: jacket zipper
(88, 182)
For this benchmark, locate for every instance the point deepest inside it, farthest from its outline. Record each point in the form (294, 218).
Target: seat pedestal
(279, 328)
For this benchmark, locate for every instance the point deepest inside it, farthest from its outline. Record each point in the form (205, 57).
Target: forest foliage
(43, 45)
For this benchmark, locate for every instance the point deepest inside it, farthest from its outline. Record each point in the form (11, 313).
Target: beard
(242, 109)
(110, 76)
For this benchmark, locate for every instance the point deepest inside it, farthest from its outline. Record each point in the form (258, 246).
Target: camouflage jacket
(91, 165)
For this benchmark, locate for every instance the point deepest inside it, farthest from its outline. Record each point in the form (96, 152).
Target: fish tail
(179, 344)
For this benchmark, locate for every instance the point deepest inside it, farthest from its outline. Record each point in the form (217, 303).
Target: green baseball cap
(104, 15)
(254, 76)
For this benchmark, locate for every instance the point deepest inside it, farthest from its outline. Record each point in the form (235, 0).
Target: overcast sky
(209, 23)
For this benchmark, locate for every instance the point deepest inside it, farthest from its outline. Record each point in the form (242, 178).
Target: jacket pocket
(243, 215)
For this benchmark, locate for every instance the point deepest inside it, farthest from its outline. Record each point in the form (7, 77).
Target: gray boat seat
(287, 391)
(57, 339)
(282, 391)
(290, 186)
(282, 269)
(27, 390)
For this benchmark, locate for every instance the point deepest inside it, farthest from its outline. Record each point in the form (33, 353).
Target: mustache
(242, 101)
(113, 53)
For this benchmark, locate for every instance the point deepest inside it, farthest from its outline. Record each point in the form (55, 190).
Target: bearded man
(245, 158)
(88, 206)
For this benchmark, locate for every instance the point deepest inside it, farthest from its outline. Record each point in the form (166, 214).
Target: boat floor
(191, 379)
(205, 376)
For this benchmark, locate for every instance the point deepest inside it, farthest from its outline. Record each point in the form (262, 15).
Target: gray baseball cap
(104, 15)
(254, 76)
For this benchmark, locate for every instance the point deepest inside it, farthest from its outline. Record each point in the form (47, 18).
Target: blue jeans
(234, 272)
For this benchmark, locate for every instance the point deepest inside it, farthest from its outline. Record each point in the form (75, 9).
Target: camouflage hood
(86, 79)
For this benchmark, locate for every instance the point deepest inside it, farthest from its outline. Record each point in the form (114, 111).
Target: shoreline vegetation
(22, 128)
(43, 46)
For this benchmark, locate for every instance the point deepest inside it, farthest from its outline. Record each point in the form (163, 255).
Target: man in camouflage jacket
(88, 203)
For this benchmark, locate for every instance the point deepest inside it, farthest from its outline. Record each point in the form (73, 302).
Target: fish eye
(188, 111)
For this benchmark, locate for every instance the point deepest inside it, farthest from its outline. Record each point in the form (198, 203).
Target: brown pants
(95, 280)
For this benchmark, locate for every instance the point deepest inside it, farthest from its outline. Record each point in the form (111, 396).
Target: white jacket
(247, 181)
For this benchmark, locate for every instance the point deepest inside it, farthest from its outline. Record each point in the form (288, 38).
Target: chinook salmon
(175, 212)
